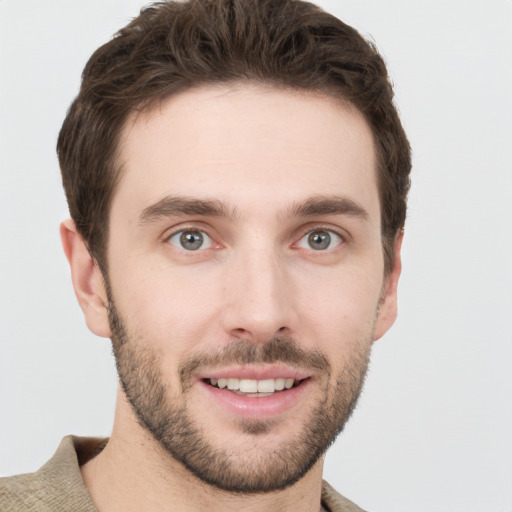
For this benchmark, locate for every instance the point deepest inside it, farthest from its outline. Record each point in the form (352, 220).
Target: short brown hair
(172, 46)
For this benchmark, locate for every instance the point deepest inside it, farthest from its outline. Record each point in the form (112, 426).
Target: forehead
(247, 144)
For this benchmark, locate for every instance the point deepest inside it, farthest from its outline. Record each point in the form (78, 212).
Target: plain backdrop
(433, 429)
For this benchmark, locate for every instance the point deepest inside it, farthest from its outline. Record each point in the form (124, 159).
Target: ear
(87, 280)
(388, 305)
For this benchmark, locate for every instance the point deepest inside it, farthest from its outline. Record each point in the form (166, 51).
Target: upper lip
(255, 372)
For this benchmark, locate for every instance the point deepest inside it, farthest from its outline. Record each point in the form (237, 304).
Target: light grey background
(433, 431)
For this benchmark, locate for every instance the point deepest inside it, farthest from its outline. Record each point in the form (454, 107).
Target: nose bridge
(260, 294)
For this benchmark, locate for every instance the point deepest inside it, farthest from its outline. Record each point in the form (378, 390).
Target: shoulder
(335, 502)
(21, 493)
(57, 485)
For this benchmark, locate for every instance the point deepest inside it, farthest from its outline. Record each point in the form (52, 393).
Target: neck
(134, 473)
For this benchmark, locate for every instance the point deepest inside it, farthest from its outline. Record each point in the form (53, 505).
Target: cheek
(169, 309)
(178, 308)
(341, 314)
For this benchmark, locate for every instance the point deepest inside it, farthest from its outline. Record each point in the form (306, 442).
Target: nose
(259, 301)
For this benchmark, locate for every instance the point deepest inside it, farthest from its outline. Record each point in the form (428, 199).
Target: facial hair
(172, 425)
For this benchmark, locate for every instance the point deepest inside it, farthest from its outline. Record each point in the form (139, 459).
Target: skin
(260, 152)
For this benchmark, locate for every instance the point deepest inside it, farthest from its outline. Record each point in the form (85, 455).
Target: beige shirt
(58, 485)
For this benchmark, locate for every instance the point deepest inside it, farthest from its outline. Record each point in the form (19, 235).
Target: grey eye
(191, 240)
(320, 240)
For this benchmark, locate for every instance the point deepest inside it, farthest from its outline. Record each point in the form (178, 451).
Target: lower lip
(256, 407)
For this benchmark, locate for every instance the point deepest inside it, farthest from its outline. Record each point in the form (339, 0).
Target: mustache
(240, 352)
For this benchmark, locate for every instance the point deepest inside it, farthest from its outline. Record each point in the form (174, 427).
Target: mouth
(253, 388)
(255, 391)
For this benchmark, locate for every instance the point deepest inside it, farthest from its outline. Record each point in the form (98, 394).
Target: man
(236, 175)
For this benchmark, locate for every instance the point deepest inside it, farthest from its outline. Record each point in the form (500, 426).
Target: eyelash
(338, 238)
(209, 240)
(341, 239)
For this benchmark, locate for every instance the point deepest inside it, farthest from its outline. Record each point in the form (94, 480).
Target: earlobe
(388, 306)
(87, 280)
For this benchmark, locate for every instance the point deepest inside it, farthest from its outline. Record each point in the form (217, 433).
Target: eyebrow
(175, 206)
(172, 206)
(328, 205)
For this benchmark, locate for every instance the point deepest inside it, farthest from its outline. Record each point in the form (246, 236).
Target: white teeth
(253, 386)
(279, 384)
(266, 386)
(248, 386)
(233, 384)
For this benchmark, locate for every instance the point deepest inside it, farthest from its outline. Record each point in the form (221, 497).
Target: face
(246, 279)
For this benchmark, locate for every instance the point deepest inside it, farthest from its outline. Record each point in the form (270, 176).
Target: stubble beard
(173, 427)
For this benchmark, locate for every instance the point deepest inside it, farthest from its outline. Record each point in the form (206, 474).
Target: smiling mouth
(255, 388)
